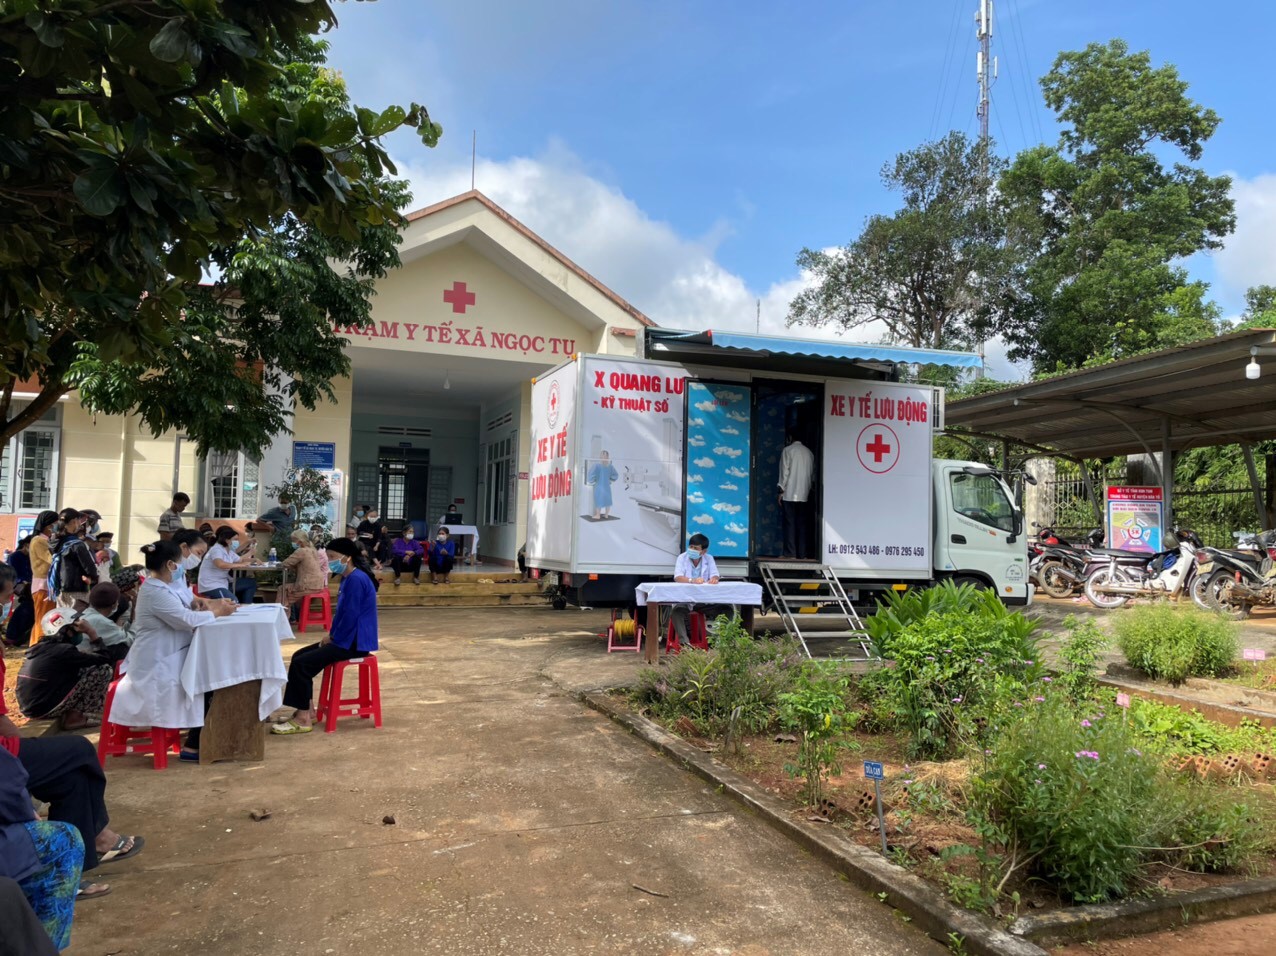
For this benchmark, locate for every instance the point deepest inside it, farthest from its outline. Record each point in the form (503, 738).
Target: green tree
(143, 142)
(934, 273)
(1260, 308)
(1107, 220)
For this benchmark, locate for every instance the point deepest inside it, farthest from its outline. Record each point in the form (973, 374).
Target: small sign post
(1254, 654)
(877, 773)
(1123, 700)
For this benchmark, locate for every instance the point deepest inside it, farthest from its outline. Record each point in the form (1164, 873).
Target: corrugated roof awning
(670, 340)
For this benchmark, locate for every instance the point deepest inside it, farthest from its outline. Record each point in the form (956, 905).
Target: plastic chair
(116, 740)
(324, 616)
(616, 641)
(332, 705)
(697, 634)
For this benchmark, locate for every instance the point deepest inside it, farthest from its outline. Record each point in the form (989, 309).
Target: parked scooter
(1237, 586)
(1114, 576)
(1057, 567)
(1214, 566)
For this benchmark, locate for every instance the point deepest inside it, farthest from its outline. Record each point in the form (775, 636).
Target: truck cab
(978, 530)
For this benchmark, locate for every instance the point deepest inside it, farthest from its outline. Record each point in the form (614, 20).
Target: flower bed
(1007, 785)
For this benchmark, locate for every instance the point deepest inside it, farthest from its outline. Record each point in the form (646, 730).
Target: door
(717, 479)
(980, 520)
(781, 409)
(440, 496)
(403, 474)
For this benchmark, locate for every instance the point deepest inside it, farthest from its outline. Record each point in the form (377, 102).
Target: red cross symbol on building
(878, 448)
(460, 297)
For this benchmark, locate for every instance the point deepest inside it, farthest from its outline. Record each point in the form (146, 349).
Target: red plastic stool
(616, 643)
(697, 634)
(116, 740)
(324, 616)
(332, 705)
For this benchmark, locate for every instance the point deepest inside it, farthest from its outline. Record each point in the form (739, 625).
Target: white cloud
(735, 471)
(736, 528)
(704, 463)
(730, 396)
(1248, 257)
(695, 422)
(695, 498)
(728, 543)
(730, 430)
(728, 452)
(729, 487)
(694, 479)
(705, 520)
(726, 508)
(737, 416)
(705, 406)
(695, 441)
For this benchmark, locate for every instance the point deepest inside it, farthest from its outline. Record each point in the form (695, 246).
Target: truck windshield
(983, 499)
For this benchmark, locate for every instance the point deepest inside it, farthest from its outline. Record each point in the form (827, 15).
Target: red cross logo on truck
(877, 448)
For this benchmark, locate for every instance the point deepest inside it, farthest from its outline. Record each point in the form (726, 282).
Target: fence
(1213, 513)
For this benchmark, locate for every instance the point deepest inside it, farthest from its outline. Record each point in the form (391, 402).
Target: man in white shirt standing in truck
(797, 474)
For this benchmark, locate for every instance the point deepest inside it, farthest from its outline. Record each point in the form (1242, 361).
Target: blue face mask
(337, 567)
(358, 514)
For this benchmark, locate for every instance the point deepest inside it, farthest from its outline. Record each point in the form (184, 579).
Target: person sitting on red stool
(353, 634)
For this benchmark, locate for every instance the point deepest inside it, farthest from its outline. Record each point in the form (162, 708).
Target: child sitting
(102, 615)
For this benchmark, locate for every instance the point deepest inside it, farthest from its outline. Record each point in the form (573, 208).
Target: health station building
(434, 417)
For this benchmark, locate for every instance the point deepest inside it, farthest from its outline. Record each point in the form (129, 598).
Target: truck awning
(671, 342)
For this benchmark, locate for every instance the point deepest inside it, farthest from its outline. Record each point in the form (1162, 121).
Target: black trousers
(796, 517)
(411, 563)
(306, 665)
(23, 933)
(64, 772)
(18, 631)
(192, 735)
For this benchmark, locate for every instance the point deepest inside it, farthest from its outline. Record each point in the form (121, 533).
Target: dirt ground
(525, 823)
(1248, 936)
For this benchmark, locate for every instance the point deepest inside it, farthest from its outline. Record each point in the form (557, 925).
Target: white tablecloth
(724, 592)
(239, 648)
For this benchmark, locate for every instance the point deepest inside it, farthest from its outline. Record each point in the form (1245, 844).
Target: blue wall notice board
(320, 455)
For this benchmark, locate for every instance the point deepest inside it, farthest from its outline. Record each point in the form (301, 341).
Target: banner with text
(549, 514)
(1134, 518)
(877, 486)
(629, 505)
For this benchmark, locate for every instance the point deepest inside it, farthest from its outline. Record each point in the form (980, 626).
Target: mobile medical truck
(630, 456)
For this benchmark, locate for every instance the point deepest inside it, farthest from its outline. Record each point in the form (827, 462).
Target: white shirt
(212, 577)
(708, 568)
(797, 472)
(150, 693)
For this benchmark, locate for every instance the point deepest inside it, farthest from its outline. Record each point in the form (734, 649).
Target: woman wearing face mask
(408, 553)
(353, 634)
(214, 571)
(308, 574)
(193, 548)
(442, 557)
(150, 694)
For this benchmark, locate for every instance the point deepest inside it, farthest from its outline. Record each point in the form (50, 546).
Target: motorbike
(1214, 566)
(1114, 576)
(1237, 586)
(1057, 567)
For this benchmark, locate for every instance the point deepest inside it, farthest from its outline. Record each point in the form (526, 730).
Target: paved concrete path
(523, 822)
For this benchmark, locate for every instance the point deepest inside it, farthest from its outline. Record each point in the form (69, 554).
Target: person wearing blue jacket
(353, 634)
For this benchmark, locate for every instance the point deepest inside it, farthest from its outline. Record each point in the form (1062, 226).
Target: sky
(685, 152)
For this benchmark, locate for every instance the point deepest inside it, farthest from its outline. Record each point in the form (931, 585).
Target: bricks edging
(926, 906)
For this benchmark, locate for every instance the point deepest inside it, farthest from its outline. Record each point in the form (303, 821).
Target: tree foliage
(1105, 221)
(1260, 308)
(145, 141)
(935, 272)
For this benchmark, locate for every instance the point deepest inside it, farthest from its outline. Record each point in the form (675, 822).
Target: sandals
(291, 727)
(88, 890)
(117, 852)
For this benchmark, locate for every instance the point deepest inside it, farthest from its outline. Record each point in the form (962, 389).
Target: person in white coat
(150, 694)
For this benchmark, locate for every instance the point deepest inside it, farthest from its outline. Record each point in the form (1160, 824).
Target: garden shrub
(817, 708)
(707, 686)
(951, 672)
(899, 609)
(1085, 808)
(1080, 655)
(1174, 643)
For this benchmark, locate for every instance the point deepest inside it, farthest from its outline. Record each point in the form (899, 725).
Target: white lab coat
(150, 693)
(797, 472)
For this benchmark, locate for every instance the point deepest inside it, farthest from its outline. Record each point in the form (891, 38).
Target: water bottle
(273, 559)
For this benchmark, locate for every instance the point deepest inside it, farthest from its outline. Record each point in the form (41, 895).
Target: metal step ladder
(806, 590)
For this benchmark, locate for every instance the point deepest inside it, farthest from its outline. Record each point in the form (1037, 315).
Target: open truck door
(717, 463)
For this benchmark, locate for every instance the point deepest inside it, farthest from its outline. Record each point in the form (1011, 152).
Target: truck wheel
(559, 603)
(979, 584)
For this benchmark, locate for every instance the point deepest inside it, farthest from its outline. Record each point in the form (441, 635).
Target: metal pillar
(1167, 479)
(1260, 505)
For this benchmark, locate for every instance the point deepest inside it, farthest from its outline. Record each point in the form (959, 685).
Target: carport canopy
(1160, 403)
